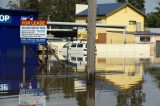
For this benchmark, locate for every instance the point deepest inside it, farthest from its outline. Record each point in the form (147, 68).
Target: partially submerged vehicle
(75, 47)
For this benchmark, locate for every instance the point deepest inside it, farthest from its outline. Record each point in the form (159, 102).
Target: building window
(132, 22)
(145, 39)
(98, 20)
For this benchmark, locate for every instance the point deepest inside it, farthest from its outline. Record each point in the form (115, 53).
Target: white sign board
(33, 97)
(33, 32)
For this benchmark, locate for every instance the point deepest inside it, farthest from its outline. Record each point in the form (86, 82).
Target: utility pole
(91, 53)
(91, 41)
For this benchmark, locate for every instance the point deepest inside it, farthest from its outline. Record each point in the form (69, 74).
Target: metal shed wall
(11, 49)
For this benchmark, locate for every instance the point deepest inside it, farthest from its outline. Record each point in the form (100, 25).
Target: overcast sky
(149, 4)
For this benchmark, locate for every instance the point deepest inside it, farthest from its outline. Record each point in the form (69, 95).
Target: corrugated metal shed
(11, 49)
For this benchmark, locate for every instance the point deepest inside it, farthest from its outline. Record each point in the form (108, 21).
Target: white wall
(137, 39)
(80, 8)
(123, 50)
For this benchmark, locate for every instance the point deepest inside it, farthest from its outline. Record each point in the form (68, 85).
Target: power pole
(91, 42)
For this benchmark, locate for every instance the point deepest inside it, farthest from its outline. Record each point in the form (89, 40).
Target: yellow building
(112, 14)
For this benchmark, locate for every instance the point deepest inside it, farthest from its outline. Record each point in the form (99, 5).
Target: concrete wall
(123, 50)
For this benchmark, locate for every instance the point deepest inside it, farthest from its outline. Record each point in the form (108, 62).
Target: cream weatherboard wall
(124, 16)
(82, 33)
(117, 38)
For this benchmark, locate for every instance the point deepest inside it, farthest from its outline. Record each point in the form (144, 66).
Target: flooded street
(119, 82)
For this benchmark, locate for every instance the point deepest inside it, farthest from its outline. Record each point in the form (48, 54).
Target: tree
(12, 5)
(55, 10)
(153, 19)
(139, 4)
(158, 8)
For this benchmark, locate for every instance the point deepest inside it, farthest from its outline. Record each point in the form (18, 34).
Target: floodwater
(119, 82)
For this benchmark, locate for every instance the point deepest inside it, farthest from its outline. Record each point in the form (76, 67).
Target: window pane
(132, 22)
(145, 39)
(80, 45)
(73, 45)
(79, 59)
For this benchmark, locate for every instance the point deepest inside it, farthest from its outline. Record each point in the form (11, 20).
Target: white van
(75, 47)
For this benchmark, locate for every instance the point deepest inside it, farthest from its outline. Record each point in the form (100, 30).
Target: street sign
(33, 31)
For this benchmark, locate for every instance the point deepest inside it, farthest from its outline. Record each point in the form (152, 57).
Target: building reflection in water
(118, 82)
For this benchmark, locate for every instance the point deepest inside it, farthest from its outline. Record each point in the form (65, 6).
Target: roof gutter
(85, 25)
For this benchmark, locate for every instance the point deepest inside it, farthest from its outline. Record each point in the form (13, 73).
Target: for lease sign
(33, 31)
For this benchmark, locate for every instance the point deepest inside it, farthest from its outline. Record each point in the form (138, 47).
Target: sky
(149, 4)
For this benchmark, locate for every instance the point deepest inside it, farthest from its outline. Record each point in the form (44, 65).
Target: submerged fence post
(91, 42)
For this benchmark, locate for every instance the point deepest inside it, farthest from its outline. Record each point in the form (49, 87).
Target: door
(138, 26)
(101, 38)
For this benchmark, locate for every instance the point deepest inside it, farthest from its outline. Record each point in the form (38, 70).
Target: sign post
(24, 63)
(31, 32)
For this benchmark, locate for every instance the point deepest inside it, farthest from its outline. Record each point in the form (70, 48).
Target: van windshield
(73, 45)
(80, 45)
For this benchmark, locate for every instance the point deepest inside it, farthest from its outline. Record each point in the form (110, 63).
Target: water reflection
(119, 82)
(155, 73)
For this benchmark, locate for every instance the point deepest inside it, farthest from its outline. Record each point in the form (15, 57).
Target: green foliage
(153, 19)
(12, 5)
(54, 10)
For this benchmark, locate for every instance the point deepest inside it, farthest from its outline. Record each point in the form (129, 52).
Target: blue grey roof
(105, 9)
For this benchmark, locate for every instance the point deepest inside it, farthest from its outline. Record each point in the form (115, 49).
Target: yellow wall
(98, 30)
(157, 38)
(120, 17)
(123, 16)
(117, 38)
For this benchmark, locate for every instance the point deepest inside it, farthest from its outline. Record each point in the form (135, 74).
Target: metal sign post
(91, 42)
(24, 64)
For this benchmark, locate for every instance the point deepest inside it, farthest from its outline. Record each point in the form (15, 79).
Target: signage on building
(33, 31)
(5, 18)
(4, 87)
(32, 97)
